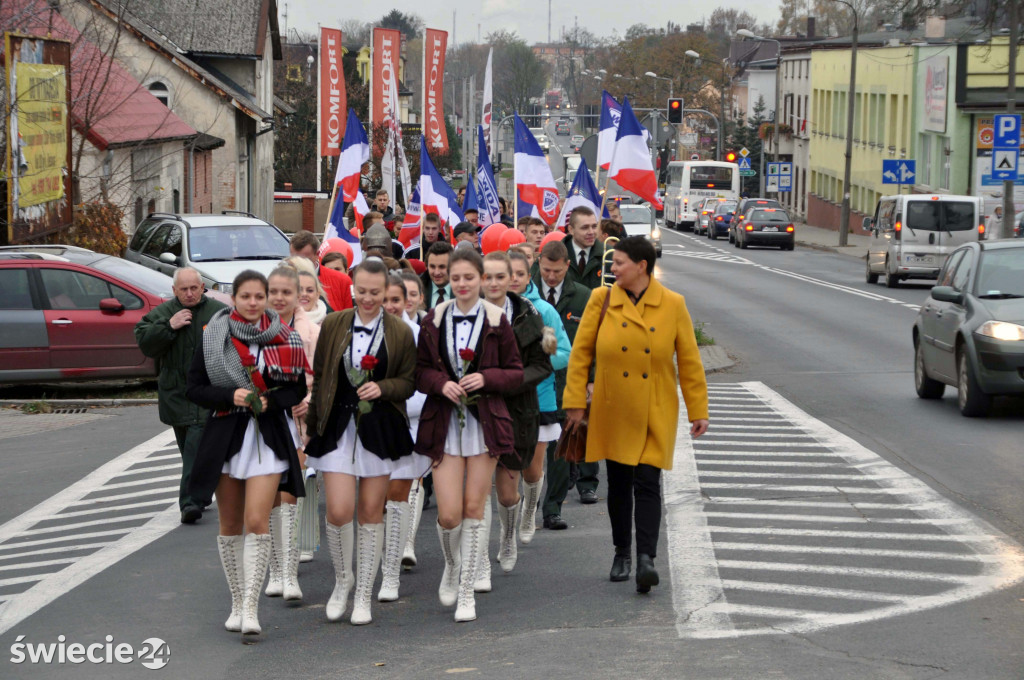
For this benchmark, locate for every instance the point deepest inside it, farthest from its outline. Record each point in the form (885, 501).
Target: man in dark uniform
(569, 300)
(170, 333)
(436, 288)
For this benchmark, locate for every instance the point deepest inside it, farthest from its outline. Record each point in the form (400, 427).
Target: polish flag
(535, 186)
(611, 112)
(631, 164)
(355, 151)
(410, 232)
(435, 194)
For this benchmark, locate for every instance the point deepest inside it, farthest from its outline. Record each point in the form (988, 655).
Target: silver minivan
(913, 234)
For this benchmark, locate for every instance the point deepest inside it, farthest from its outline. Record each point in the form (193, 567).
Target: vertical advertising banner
(435, 45)
(936, 87)
(333, 99)
(387, 46)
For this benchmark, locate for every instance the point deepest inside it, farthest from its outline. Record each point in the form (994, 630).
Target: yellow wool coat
(634, 411)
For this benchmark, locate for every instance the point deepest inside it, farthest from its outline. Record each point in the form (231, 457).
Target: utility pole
(844, 215)
(1009, 207)
(549, 22)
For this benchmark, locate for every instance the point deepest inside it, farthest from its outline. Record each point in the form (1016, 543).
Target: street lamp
(844, 214)
(671, 85)
(750, 35)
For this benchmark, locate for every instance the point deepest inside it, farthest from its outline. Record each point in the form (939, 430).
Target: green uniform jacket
(173, 350)
(590, 277)
(570, 306)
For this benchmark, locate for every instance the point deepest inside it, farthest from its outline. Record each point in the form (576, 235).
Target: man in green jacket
(170, 334)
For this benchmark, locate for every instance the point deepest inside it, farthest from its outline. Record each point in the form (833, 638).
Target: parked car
(219, 247)
(745, 205)
(704, 210)
(969, 333)
(64, 320)
(637, 220)
(576, 142)
(766, 227)
(562, 127)
(913, 234)
(720, 218)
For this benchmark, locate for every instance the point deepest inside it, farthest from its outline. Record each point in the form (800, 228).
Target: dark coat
(222, 436)
(335, 338)
(497, 359)
(522, 402)
(173, 351)
(590, 277)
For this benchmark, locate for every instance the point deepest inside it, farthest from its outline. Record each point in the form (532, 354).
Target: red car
(65, 320)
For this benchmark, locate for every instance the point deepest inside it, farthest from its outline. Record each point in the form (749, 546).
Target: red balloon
(510, 238)
(339, 245)
(491, 240)
(355, 232)
(553, 236)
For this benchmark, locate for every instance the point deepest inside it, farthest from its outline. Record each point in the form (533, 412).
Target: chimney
(810, 28)
(935, 27)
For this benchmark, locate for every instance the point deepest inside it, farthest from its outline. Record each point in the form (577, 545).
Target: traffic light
(730, 156)
(675, 110)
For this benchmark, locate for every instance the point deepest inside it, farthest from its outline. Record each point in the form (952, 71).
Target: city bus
(689, 182)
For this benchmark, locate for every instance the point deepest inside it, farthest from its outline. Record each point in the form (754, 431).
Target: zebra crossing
(112, 512)
(778, 523)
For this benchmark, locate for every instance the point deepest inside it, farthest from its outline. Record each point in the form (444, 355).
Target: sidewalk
(827, 239)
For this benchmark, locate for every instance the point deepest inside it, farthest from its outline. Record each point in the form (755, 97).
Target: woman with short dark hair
(635, 330)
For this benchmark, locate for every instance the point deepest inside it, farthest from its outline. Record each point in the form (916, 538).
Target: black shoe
(555, 522)
(646, 574)
(190, 514)
(588, 497)
(620, 568)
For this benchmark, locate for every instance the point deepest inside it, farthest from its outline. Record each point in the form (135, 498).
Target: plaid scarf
(282, 352)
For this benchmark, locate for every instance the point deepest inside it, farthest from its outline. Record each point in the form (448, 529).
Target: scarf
(318, 315)
(282, 353)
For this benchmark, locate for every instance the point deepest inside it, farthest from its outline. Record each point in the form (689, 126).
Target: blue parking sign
(1005, 147)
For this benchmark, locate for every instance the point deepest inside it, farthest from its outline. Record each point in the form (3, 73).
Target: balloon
(553, 236)
(510, 238)
(355, 232)
(491, 240)
(339, 245)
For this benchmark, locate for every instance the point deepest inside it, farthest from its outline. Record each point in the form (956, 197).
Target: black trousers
(557, 478)
(188, 437)
(634, 491)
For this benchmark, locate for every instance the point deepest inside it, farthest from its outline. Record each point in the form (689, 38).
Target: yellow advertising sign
(42, 131)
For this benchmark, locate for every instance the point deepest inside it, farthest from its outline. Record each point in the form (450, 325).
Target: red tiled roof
(108, 105)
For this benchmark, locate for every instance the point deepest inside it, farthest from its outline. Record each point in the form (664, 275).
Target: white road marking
(49, 585)
(897, 530)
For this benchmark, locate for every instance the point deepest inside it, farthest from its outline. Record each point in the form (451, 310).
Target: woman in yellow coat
(634, 409)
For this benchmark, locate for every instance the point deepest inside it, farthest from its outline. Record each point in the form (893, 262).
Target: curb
(81, 403)
(715, 359)
(829, 249)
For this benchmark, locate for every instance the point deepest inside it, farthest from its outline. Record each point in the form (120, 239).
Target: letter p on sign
(1007, 128)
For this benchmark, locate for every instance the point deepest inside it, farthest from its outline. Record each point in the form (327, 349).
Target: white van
(913, 234)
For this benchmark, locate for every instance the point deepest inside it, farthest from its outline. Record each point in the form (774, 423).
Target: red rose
(467, 354)
(368, 363)
(248, 361)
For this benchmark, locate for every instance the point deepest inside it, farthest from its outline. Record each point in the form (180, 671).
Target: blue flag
(582, 193)
(487, 197)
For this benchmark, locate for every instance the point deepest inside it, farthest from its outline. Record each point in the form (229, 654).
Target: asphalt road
(831, 525)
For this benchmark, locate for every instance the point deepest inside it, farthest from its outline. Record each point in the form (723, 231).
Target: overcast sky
(601, 17)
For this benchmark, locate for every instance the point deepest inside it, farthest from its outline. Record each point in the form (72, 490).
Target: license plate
(769, 228)
(924, 259)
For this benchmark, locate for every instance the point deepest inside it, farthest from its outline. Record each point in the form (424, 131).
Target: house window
(924, 164)
(160, 90)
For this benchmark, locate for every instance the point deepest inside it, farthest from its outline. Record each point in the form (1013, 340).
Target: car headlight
(656, 233)
(222, 288)
(1001, 330)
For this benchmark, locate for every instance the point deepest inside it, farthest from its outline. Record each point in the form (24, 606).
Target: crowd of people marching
(433, 370)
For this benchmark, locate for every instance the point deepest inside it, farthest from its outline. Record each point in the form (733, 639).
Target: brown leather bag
(572, 444)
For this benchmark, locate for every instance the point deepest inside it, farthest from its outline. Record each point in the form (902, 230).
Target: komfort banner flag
(435, 45)
(332, 97)
(387, 46)
(487, 195)
(536, 191)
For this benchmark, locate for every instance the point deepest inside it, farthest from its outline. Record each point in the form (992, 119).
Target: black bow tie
(459, 319)
(360, 329)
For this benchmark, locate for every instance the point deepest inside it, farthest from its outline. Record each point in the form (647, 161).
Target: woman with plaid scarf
(249, 371)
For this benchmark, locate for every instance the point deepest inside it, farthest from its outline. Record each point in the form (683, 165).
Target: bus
(689, 182)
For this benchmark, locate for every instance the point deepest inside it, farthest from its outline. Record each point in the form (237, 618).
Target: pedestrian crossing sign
(745, 164)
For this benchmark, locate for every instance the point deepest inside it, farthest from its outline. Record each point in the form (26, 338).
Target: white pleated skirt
(254, 459)
(465, 441)
(549, 433)
(351, 458)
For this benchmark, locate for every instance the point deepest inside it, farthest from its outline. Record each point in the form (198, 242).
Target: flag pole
(330, 210)
(604, 195)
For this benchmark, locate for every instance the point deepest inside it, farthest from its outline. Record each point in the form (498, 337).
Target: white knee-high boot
(275, 583)
(416, 497)
(528, 520)
(451, 550)
(508, 551)
(371, 538)
(395, 529)
(482, 584)
(339, 542)
(230, 549)
(308, 509)
(255, 556)
(471, 543)
(290, 546)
